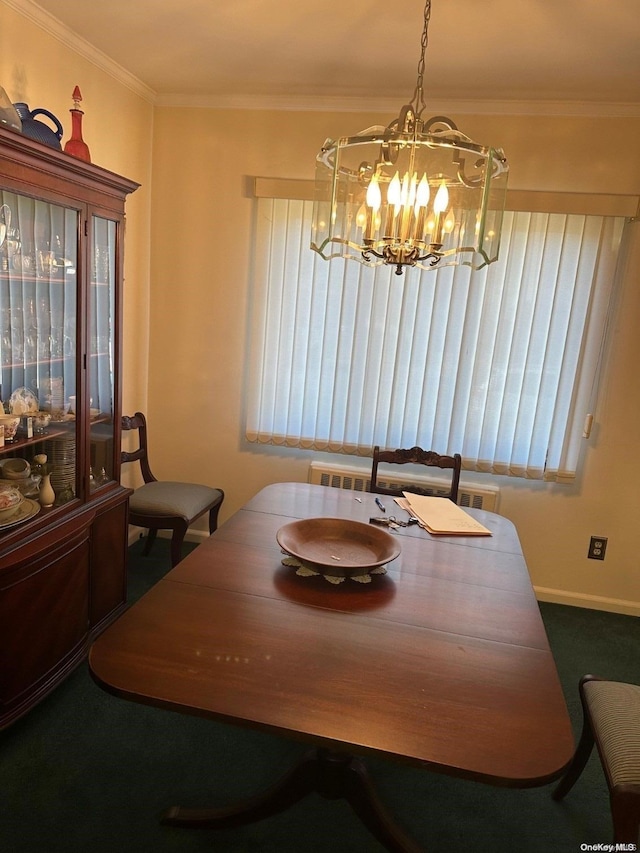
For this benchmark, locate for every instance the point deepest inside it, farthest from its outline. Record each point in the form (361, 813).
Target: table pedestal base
(333, 775)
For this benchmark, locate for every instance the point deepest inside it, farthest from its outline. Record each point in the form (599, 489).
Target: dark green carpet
(85, 771)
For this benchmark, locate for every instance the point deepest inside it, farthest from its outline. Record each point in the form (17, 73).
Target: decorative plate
(26, 510)
(23, 402)
(337, 546)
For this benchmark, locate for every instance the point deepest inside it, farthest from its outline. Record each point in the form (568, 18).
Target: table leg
(333, 775)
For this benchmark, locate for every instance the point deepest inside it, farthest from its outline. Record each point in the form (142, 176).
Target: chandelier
(414, 193)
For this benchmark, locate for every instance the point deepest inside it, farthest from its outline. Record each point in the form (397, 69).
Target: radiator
(358, 479)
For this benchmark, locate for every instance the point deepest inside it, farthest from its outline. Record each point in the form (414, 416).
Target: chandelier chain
(418, 95)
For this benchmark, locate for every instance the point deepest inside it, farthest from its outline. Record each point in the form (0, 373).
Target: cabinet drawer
(44, 613)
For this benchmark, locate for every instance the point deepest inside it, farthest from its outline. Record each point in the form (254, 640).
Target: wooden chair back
(416, 456)
(141, 454)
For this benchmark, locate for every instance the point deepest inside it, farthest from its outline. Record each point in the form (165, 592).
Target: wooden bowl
(338, 546)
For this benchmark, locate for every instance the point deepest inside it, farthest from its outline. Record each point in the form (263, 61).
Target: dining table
(440, 660)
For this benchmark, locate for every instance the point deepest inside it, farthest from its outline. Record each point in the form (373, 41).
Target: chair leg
(151, 538)
(213, 517)
(179, 532)
(578, 762)
(625, 813)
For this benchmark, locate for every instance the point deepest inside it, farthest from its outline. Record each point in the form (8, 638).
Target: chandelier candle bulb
(440, 204)
(373, 200)
(422, 199)
(407, 205)
(449, 223)
(393, 206)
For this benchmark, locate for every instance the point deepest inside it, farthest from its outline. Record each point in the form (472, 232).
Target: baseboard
(196, 536)
(135, 533)
(592, 602)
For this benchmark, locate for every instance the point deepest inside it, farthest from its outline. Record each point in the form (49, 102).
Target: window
(499, 364)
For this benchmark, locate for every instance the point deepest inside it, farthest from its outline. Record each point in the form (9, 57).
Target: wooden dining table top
(443, 662)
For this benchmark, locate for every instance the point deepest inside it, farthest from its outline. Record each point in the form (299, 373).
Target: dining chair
(416, 456)
(611, 720)
(166, 505)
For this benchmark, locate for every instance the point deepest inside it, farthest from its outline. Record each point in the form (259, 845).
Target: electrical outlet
(597, 547)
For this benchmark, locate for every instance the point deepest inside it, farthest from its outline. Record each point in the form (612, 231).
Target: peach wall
(201, 292)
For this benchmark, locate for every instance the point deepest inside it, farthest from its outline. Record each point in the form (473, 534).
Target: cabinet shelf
(12, 448)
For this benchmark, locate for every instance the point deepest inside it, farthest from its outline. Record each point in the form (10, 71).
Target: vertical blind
(499, 364)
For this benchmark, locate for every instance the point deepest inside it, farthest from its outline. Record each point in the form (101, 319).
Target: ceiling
(579, 51)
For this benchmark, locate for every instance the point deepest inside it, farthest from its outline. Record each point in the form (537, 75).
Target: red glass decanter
(76, 146)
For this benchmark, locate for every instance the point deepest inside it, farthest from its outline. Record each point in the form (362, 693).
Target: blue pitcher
(38, 130)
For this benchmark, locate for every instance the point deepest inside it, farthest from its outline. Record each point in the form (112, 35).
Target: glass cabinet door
(102, 366)
(38, 340)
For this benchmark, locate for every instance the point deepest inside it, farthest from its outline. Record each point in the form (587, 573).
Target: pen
(380, 504)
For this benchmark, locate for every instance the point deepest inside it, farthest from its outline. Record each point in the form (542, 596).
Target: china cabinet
(63, 544)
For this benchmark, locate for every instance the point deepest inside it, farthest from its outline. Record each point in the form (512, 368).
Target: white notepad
(442, 517)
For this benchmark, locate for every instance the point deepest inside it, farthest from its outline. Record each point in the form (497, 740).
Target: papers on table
(441, 516)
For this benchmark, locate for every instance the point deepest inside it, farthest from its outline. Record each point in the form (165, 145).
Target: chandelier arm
(400, 257)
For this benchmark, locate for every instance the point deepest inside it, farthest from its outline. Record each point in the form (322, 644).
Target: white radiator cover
(357, 479)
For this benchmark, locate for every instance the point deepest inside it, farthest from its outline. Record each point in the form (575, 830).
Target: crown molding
(82, 47)
(309, 103)
(322, 103)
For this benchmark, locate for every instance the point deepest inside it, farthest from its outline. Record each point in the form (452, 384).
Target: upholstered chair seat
(188, 500)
